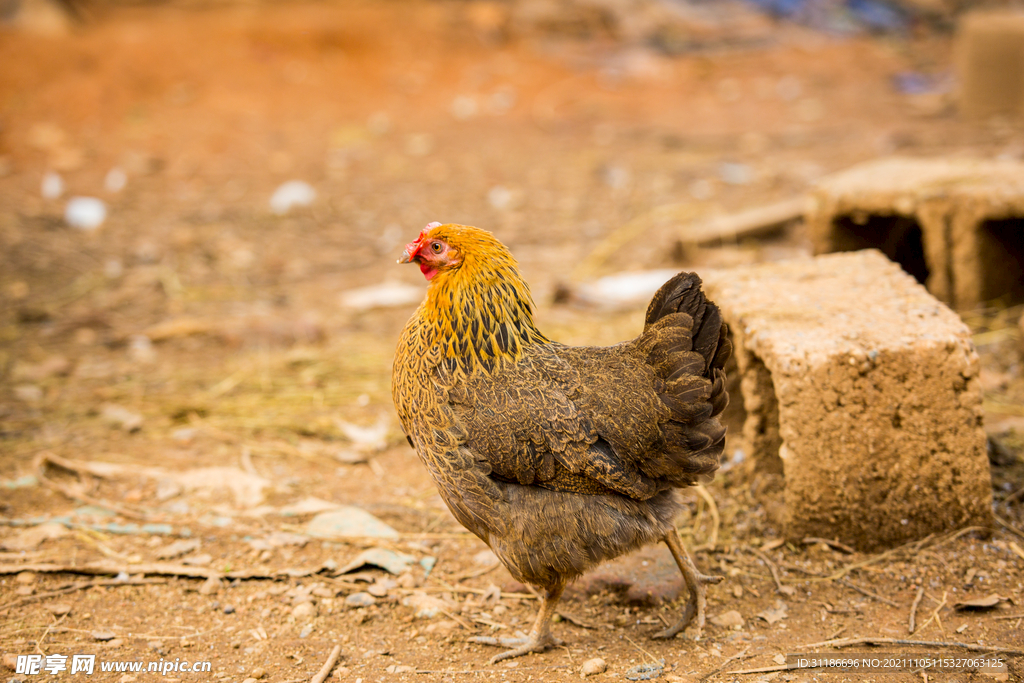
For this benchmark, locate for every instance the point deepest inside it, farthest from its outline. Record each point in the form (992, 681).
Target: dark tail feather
(688, 346)
(683, 294)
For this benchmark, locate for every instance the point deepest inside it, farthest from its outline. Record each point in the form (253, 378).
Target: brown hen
(557, 457)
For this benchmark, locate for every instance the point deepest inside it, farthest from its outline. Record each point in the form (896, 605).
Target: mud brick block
(957, 225)
(990, 63)
(862, 390)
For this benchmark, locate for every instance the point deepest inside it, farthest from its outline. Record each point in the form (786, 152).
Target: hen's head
(445, 248)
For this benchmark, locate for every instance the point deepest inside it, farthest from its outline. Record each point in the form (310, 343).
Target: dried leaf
(388, 560)
(987, 602)
(29, 539)
(729, 619)
(775, 614)
(178, 548)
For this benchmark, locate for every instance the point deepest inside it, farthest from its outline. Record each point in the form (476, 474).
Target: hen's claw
(696, 602)
(520, 646)
(540, 637)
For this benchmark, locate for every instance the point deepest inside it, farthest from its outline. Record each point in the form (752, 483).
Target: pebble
(304, 610)
(249, 680)
(103, 635)
(115, 180)
(52, 186)
(85, 213)
(360, 599)
(121, 417)
(229, 609)
(594, 666)
(258, 673)
(292, 194)
(26, 577)
(499, 197)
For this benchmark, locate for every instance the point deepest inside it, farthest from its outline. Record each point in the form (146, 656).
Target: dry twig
(841, 547)
(715, 519)
(325, 671)
(865, 591)
(772, 568)
(763, 669)
(971, 647)
(103, 567)
(935, 614)
(912, 621)
(718, 669)
(77, 586)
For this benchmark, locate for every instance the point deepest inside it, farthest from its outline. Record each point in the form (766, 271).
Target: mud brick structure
(956, 225)
(990, 63)
(861, 390)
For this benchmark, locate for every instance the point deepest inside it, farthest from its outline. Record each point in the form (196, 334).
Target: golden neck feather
(481, 312)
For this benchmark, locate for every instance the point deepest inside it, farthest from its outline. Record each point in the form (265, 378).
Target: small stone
(85, 213)
(360, 599)
(229, 609)
(249, 680)
(52, 186)
(292, 194)
(304, 610)
(58, 609)
(594, 666)
(258, 673)
(115, 180)
(24, 590)
(116, 642)
(103, 635)
(121, 417)
(730, 619)
(26, 577)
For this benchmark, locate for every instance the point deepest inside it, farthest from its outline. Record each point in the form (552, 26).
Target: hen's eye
(436, 247)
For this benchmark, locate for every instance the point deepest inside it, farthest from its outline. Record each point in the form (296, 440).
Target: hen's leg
(540, 637)
(696, 602)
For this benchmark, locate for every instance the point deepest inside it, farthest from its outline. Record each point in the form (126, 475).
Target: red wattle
(428, 271)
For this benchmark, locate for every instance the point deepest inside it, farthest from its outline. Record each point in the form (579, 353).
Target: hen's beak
(410, 252)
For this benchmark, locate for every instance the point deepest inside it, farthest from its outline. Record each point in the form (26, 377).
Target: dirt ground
(195, 329)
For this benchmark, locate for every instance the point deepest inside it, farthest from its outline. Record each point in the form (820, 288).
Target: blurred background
(202, 202)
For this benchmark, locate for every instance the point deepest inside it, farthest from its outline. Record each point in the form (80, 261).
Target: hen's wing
(635, 418)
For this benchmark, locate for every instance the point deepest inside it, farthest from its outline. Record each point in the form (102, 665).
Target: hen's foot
(520, 646)
(696, 586)
(540, 637)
